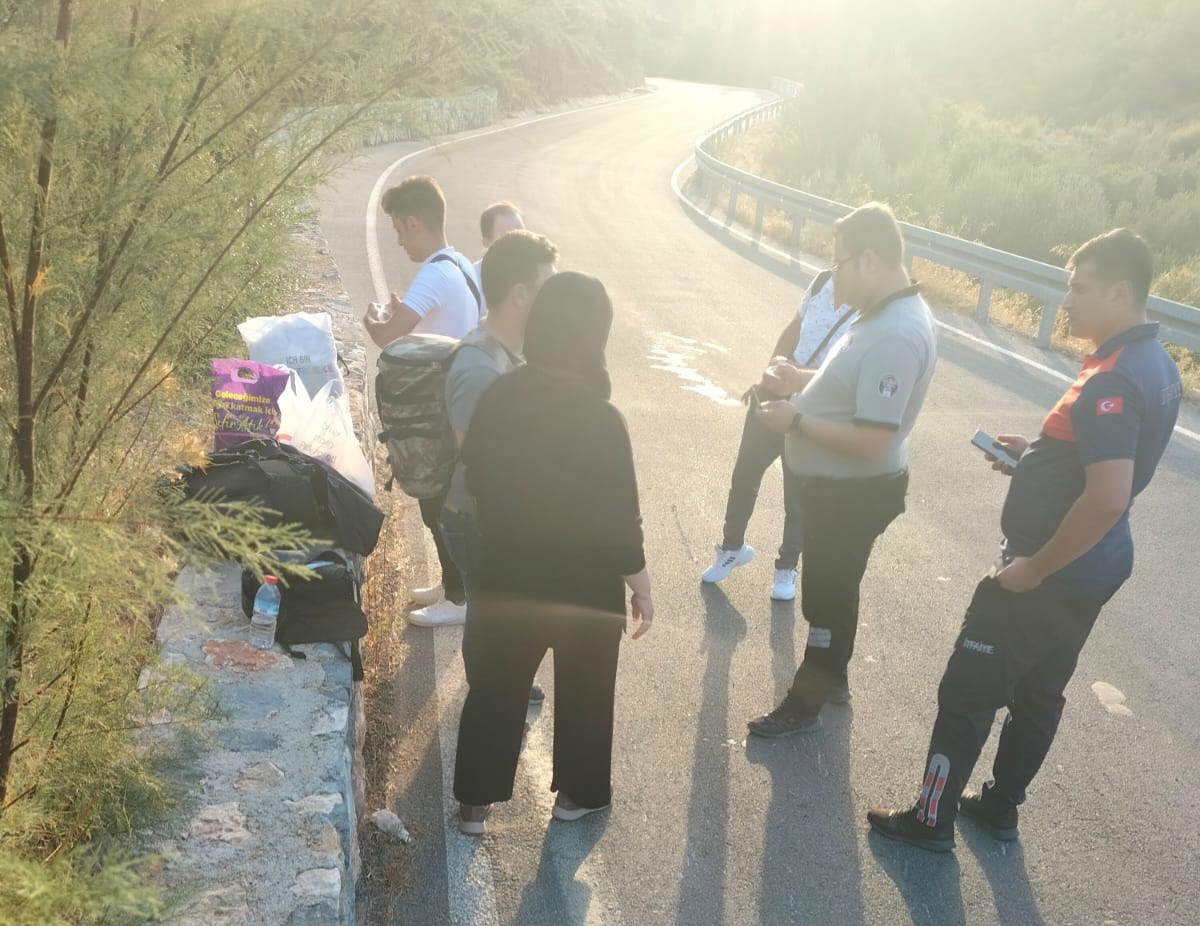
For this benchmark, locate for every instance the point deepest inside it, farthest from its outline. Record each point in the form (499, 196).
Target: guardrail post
(794, 241)
(1046, 328)
(732, 213)
(758, 222)
(983, 306)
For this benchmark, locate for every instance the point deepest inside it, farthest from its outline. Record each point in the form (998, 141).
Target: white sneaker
(726, 561)
(784, 586)
(442, 614)
(427, 596)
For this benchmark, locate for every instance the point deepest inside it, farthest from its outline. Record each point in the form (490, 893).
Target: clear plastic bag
(322, 428)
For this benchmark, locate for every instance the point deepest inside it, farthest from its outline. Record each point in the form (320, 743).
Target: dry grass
(947, 288)
(385, 866)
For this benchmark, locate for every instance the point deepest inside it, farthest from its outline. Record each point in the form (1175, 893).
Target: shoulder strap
(466, 276)
(819, 282)
(837, 325)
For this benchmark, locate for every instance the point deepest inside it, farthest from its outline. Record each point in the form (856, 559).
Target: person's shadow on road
(1003, 865)
(929, 882)
(702, 884)
(811, 871)
(554, 895)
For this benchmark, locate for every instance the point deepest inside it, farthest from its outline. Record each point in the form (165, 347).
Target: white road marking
(814, 269)
(374, 263)
(674, 354)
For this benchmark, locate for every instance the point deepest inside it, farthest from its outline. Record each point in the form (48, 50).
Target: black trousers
(452, 581)
(1014, 650)
(842, 518)
(503, 648)
(760, 448)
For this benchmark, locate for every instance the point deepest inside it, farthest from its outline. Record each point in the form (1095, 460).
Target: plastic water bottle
(266, 613)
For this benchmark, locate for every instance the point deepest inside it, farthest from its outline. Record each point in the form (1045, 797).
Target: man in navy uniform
(1067, 549)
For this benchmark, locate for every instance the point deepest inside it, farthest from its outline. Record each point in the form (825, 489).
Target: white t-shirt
(818, 315)
(482, 297)
(440, 295)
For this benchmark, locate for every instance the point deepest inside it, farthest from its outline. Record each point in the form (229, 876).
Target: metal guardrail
(990, 267)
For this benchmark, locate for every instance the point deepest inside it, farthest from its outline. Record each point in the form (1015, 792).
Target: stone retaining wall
(269, 833)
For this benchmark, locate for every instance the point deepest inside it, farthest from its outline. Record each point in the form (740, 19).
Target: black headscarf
(568, 331)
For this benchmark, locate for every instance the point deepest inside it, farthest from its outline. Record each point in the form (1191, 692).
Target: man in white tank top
(817, 325)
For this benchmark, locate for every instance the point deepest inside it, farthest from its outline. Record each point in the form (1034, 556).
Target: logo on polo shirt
(888, 386)
(1110, 406)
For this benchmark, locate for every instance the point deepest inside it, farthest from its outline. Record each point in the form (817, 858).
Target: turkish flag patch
(1114, 405)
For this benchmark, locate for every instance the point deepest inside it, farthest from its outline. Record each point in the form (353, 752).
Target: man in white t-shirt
(443, 297)
(815, 327)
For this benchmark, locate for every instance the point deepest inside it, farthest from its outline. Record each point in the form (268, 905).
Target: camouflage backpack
(410, 393)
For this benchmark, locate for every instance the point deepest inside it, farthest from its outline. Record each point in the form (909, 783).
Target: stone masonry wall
(269, 834)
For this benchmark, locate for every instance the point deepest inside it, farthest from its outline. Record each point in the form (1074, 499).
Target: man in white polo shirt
(847, 429)
(443, 299)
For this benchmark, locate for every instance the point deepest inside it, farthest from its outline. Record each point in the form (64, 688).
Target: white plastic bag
(322, 428)
(303, 341)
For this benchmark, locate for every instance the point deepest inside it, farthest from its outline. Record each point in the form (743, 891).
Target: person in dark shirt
(549, 462)
(1067, 549)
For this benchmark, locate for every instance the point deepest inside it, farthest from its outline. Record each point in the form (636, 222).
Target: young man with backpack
(513, 271)
(443, 299)
(815, 327)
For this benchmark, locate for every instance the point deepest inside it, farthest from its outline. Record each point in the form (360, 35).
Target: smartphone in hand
(988, 445)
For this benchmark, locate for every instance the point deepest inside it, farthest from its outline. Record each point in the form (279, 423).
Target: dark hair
(1120, 255)
(514, 258)
(420, 197)
(872, 227)
(487, 220)
(568, 331)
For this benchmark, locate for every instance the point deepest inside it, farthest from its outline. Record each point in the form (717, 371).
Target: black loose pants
(759, 448)
(842, 519)
(503, 648)
(1016, 651)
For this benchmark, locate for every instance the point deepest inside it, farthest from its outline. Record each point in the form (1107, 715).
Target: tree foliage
(1030, 125)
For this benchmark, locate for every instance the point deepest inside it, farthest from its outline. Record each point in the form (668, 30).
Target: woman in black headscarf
(550, 465)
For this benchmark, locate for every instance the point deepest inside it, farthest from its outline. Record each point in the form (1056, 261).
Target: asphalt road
(708, 827)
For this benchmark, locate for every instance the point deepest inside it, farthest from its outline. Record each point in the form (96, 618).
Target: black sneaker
(994, 815)
(536, 695)
(784, 722)
(903, 826)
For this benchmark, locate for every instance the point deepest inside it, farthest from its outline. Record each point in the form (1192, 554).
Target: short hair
(487, 220)
(513, 259)
(1118, 256)
(420, 197)
(872, 227)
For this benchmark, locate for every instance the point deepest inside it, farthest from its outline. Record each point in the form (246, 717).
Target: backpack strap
(466, 276)
(818, 284)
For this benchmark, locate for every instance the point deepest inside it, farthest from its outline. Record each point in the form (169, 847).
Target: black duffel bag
(324, 609)
(302, 489)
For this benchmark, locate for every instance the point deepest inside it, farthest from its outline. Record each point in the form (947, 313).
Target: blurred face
(412, 237)
(1094, 307)
(849, 284)
(522, 296)
(504, 223)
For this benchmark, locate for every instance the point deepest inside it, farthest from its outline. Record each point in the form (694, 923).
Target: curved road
(710, 828)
